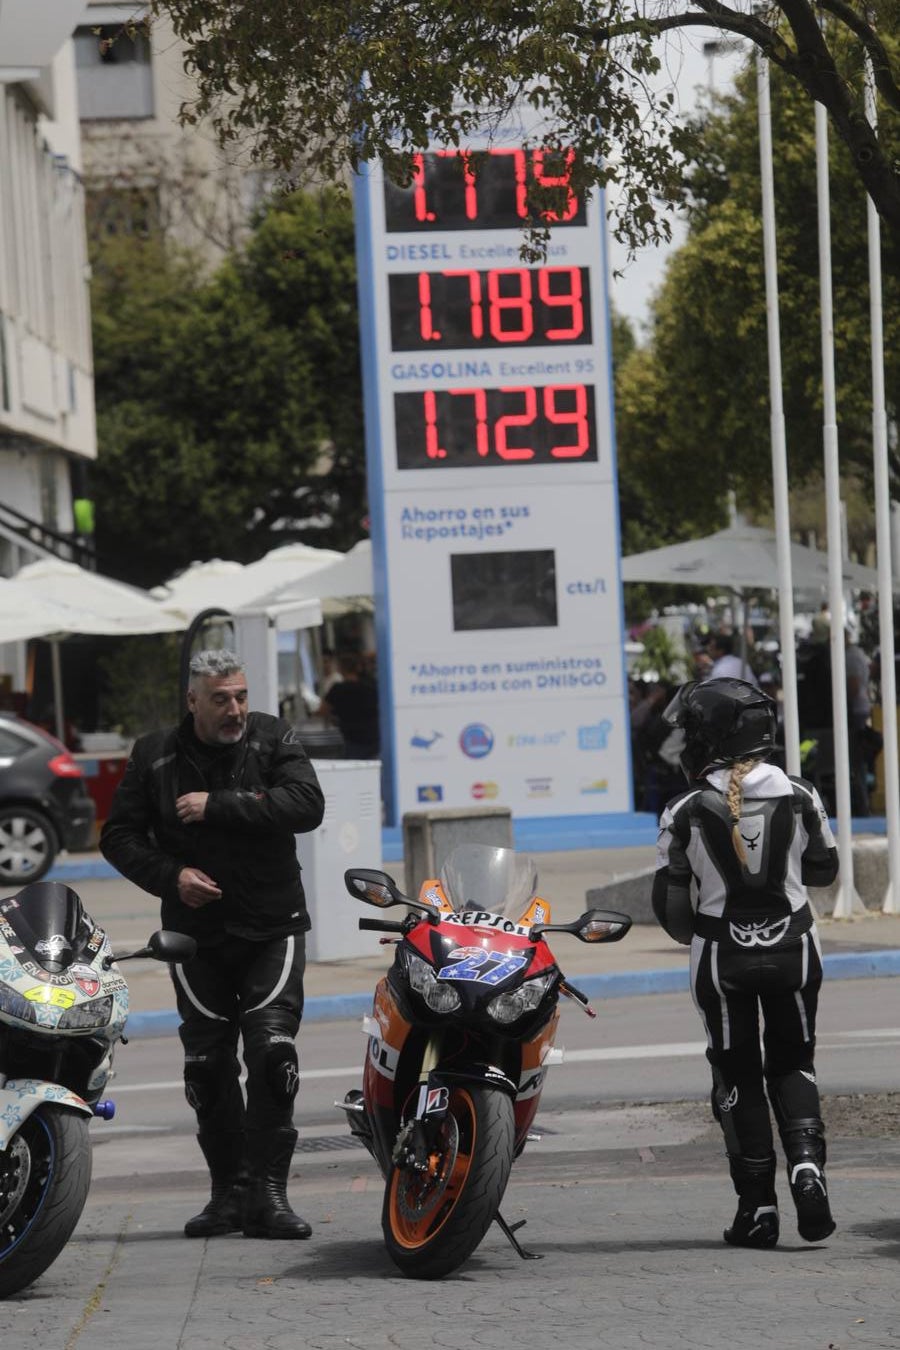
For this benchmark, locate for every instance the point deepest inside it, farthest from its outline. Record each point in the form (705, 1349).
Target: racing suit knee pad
(282, 1069)
(211, 1083)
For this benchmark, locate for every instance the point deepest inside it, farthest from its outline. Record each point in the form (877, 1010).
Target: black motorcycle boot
(224, 1212)
(756, 1221)
(804, 1147)
(268, 1213)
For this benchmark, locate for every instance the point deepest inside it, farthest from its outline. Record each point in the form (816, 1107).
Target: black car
(44, 805)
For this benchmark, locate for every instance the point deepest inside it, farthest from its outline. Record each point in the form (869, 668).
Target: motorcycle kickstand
(509, 1231)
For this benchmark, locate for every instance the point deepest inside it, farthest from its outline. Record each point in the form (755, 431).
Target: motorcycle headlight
(439, 996)
(14, 1005)
(87, 1016)
(510, 1007)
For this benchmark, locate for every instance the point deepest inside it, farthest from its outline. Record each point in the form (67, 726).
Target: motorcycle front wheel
(45, 1173)
(434, 1219)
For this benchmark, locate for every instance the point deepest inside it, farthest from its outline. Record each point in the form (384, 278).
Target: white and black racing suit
(754, 947)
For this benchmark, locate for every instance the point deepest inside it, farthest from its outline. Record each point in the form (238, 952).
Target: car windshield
(481, 877)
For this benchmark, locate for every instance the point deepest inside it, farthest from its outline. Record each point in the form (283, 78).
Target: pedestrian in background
(352, 705)
(205, 818)
(735, 853)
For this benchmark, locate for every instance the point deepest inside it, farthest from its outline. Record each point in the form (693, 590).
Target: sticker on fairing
(383, 1057)
(482, 918)
(45, 993)
(483, 966)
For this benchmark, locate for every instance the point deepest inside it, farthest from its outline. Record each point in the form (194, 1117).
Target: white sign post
(492, 489)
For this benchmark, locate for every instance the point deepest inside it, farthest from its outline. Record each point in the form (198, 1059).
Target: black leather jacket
(262, 792)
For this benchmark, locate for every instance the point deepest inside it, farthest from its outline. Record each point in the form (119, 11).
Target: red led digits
(476, 311)
(462, 307)
(576, 417)
(522, 419)
(482, 444)
(567, 297)
(513, 425)
(458, 188)
(556, 180)
(511, 315)
(432, 447)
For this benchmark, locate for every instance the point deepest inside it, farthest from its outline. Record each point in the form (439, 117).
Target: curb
(623, 984)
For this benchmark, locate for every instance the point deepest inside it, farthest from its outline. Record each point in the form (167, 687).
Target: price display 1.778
(462, 428)
(507, 306)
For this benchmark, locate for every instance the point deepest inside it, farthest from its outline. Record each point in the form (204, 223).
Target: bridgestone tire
(45, 1174)
(433, 1221)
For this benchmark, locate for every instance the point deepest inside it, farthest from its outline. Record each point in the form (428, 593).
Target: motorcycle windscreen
(49, 920)
(481, 877)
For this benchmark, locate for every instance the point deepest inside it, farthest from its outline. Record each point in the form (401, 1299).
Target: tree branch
(881, 65)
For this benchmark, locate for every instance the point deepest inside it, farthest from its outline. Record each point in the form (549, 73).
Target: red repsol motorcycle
(460, 1038)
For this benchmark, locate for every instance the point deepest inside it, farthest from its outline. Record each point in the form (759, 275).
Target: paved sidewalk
(645, 961)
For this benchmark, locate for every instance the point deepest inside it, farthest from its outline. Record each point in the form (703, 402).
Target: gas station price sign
(492, 482)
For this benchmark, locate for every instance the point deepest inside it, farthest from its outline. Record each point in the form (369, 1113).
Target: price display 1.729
(507, 306)
(461, 428)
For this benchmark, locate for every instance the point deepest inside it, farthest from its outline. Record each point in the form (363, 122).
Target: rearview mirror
(595, 925)
(374, 887)
(175, 948)
(377, 888)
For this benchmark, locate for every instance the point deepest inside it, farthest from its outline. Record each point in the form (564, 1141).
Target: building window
(112, 210)
(114, 73)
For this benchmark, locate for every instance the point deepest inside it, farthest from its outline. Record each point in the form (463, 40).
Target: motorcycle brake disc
(420, 1191)
(15, 1173)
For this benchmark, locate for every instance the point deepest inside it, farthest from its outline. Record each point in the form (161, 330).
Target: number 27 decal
(469, 964)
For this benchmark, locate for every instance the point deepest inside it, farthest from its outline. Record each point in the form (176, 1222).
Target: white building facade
(47, 424)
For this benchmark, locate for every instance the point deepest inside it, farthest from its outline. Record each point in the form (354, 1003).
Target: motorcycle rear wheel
(434, 1220)
(45, 1174)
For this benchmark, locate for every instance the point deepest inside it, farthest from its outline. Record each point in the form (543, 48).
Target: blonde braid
(734, 799)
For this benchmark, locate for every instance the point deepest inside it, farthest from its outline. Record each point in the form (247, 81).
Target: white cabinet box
(349, 836)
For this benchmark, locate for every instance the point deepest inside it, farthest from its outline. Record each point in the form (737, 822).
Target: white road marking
(852, 1040)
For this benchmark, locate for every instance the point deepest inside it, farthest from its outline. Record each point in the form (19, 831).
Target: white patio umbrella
(78, 602)
(227, 585)
(347, 577)
(97, 604)
(740, 557)
(24, 615)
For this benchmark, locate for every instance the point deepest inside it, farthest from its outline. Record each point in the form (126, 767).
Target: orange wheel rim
(420, 1203)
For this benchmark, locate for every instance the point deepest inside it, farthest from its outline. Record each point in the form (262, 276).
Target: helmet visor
(676, 711)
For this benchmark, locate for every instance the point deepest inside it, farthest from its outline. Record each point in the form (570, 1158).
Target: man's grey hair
(214, 665)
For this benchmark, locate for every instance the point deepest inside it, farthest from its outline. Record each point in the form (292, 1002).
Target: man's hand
(191, 807)
(195, 888)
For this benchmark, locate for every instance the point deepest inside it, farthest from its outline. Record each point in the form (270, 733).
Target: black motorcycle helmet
(724, 720)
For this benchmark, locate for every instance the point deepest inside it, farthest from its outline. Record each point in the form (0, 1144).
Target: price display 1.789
(461, 428)
(507, 306)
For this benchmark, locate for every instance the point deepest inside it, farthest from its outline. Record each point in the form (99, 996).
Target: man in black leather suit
(205, 818)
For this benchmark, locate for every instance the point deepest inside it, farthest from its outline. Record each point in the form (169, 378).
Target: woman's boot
(756, 1221)
(804, 1148)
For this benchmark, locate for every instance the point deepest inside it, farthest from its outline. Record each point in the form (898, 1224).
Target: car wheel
(28, 845)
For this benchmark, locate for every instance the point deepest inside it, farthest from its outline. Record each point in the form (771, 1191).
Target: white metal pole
(847, 902)
(777, 431)
(891, 901)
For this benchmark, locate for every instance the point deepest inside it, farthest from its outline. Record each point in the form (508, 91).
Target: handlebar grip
(381, 926)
